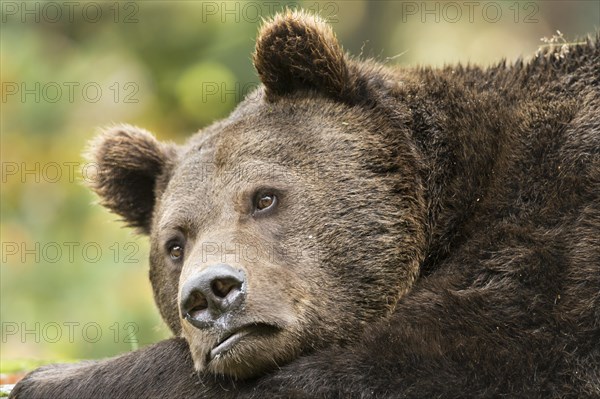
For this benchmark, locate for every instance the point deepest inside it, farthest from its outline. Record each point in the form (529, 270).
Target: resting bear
(354, 230)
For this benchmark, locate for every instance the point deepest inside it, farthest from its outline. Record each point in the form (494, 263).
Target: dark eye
(265, 201)
(176, 252)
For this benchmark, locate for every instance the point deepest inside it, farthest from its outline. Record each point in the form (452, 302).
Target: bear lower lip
(234, 337)
(228, 343)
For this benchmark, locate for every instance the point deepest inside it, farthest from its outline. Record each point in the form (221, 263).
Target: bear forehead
(287, 132)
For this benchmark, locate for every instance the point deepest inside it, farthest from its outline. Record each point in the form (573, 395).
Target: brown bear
(354, 230)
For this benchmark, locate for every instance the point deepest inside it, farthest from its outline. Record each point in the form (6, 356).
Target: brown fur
(455, 214)
(297, 50)
(129, 165)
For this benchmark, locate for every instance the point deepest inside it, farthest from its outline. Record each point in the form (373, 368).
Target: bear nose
(217, 290)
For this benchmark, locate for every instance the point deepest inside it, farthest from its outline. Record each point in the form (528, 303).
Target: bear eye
(176, 252)
(264, 202)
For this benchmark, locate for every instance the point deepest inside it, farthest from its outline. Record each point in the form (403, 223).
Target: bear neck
(464, 122)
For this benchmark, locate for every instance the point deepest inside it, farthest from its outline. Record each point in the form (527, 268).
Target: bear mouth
(228, 340)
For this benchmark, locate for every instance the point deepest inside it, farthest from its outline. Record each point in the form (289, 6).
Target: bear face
(262, 227)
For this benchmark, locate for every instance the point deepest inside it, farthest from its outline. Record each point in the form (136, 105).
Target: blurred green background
(73, 281)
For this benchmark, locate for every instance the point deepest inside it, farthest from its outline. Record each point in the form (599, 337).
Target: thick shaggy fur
(456, 214)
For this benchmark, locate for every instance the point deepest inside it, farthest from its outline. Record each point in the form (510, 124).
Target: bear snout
(216, 291)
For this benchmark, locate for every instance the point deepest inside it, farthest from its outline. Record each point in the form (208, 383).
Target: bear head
(289, 226)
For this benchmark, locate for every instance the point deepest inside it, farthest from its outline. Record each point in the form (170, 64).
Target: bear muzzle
(212, 300)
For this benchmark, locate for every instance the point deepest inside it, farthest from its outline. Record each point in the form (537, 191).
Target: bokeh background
(73, 281)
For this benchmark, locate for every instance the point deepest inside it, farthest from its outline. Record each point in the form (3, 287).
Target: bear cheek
(164, 280)
(274, 291)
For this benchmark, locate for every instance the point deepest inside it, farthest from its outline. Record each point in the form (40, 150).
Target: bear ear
(296, 50)
(130, 165)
